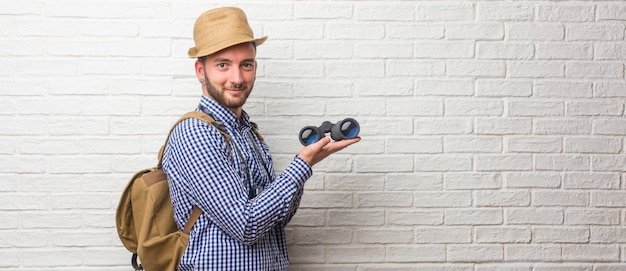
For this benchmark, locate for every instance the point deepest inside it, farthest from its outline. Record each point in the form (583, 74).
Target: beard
(229, 101)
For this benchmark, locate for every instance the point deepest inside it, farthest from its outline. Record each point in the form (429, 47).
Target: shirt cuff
(299, 171)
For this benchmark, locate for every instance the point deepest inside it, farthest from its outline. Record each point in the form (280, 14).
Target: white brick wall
(493, 131)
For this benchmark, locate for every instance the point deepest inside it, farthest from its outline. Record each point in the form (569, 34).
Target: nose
(236, 77)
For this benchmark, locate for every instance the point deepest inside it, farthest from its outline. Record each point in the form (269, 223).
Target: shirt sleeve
(198, 153)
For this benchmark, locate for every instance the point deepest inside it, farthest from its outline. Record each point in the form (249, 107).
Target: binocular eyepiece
(345, 129)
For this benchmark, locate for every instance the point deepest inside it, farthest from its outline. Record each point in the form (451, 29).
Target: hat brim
(194, 52)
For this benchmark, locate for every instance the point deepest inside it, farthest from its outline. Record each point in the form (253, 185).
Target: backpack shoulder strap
(200, 116)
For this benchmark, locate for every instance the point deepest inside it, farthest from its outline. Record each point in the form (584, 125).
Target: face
(229, 75)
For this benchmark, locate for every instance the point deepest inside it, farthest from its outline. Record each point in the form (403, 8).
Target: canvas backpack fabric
(145, 218)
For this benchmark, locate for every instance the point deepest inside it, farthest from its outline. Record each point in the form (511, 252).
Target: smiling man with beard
(245, 206)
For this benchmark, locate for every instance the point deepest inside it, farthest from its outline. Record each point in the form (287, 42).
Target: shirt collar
(223, 114)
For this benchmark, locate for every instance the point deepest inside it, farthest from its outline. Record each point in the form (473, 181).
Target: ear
(199, 67)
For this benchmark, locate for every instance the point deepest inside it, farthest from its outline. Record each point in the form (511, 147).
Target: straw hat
(221, 28)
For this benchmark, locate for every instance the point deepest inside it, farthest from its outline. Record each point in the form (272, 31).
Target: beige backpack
(145, 218)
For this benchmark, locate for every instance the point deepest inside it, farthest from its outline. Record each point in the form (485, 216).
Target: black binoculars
(345, 129)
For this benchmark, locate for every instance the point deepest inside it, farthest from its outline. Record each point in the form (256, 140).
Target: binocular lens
(310, 135)
(345, 129)
(349, 128)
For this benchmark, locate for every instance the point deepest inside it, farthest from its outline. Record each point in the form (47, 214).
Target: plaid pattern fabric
(233, 232)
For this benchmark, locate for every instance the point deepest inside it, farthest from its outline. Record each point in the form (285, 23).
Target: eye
(221, 65)
(248, 66)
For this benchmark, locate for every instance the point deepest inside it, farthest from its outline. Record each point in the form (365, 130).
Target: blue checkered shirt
(234, 232)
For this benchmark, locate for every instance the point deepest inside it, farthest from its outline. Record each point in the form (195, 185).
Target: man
(245, 206)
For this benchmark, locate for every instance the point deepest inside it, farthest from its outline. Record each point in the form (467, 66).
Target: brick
(353, 218)
(530, 109)
(22, 164)
(22, 47)
(594, 70)
(415, 68)
(472, 181)
(566, 13)
(415, 217)
(350, 31)
(591, 252)
(324, 50)
(535, 216)
(534, 144)
(451, 87)
(413, 31)
(503, 88)
(610, 89)
(443, 126)
(416, 253)
(582, 180)
(384, 12)
(50, 27)
(443, 235)
(562, 162)
(322, 11)
(560, 198)
(355, 254)
(308, 235)
(535, 32)
(563, 89)
(608, 198)
(607, 234)
(442, 199)
(108, 28)
(397, 163)
(47, 257)
(385, 236)
(506, 126)
(445, 12)
(353, 182)
(532, 180)
(485, 162)
(414, 107)
(562, 126)
(473, 144)
(553, 51)
(371, 68)
(608, 162)
(406, 145)
(595, 32)
(536, 69)
(306, 254)
(533, 253)
(81, 238)
(384, 199)
(598, 216)
(563, 267)
(481, 68)
(445, 162)
(474, 253)
(560, 235)
(412, 181)
(504, 50)
(474, 31)
(501, 198)
(595, 108)
(593, 145)
(480, 216)
(474, 107)
(504, 12)
(52, 220)
(490, 234)
(326, 199)
(611, 11)
(444, 49)
(383, 87)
